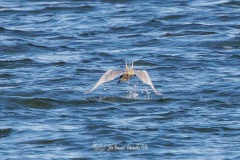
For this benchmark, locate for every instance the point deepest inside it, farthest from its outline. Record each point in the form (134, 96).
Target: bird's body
(124, 76)
(129, 72)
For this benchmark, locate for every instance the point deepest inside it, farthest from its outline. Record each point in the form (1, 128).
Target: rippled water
(51, 52)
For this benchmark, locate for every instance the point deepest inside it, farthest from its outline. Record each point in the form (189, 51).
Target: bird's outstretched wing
(143, 75)
(107, 76)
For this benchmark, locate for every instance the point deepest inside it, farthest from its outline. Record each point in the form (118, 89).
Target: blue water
(51, 52)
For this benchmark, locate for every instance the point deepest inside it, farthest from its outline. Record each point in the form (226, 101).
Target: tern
(124, 76)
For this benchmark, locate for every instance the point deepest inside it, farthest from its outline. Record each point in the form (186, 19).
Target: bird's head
(130, 69)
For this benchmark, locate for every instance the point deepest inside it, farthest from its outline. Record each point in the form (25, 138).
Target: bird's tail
(126, 66)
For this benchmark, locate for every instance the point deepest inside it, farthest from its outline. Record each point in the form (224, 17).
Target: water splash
(132, 92)
(147, 96)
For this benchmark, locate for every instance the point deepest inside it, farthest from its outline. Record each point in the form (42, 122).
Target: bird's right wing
(143, 75)
(107, 76)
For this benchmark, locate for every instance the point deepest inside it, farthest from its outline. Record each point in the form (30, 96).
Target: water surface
(51, 52)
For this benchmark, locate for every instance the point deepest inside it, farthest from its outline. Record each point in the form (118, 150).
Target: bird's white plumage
(107, 76)
(129, 72)
(143, 75)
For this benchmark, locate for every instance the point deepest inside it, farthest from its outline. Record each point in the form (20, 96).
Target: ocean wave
(48, 9)
(5, 132)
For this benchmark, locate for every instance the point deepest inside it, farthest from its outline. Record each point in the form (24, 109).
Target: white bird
(124, 76)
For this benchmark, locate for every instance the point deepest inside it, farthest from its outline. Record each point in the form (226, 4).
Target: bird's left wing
(143, 75)
(107, 76)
